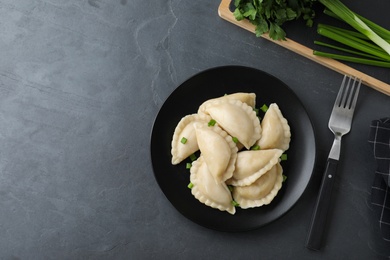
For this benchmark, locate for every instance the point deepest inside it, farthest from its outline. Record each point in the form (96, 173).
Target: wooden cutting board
(225, 13)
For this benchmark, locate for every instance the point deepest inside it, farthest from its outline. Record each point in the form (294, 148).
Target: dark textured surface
(80, 85)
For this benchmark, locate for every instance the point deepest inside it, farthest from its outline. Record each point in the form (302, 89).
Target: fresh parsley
(270, 15)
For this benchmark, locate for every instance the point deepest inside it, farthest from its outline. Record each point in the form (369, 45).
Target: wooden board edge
(225, 13)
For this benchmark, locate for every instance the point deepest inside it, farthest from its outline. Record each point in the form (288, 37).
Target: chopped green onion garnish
(188, 165)
(284, 178)
(255, 147)
(190, 185)
(183, 140)
(264, 108)
(235, 204)
(256, 110)
(212, 122)
(283, 157)
(235, 139)
(193, 157)
(230, 187)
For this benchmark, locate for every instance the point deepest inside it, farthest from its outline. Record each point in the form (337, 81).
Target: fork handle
(322, 206)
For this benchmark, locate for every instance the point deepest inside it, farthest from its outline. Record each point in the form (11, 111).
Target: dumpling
(262, 191)
(236, 118)
(247, 98)
(185, 128)
(207, 191)
(252, 164)
(218, 150)
(275, 130)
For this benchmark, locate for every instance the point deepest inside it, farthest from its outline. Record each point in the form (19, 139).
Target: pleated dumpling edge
(207, 191)
(251, 165)
(218, 150)
(180, 150)
(262, 191)
(275, 130)
(236, 118)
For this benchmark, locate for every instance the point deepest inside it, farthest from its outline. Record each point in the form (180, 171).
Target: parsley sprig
(270, 15)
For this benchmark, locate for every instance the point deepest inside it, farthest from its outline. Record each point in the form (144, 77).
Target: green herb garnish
(255, 147)
(270, 15)
(235, 204)
(183, 140)
(192, 157)
(212, 122)
(264, 108)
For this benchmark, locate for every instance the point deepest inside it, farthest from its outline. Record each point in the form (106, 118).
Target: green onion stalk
(353, 42)
(344, 13)
(353, 59)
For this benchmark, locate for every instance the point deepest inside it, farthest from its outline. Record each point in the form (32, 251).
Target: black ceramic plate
(215, 82)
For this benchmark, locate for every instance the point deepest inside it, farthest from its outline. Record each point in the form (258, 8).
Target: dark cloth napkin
(379, 139)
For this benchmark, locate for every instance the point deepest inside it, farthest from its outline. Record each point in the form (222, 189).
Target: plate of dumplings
(233, 148)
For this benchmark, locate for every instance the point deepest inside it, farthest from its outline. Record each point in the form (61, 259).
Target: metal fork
(340, 124)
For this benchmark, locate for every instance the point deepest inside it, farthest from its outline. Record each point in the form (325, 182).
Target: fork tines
(347, 98)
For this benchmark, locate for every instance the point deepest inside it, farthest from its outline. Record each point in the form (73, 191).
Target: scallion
(350, 32)
(188, 165)
(344, 13)
(212, 122)
(192, 157)
(183, 140)
(363, 54)
(264, 108)
(354, 43)
(235, 203)
(378, 63)
(255, 147)
(190, 185)
(382, 32)
(354, 36)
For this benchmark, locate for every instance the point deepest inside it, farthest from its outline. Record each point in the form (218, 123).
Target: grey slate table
(80, 85)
